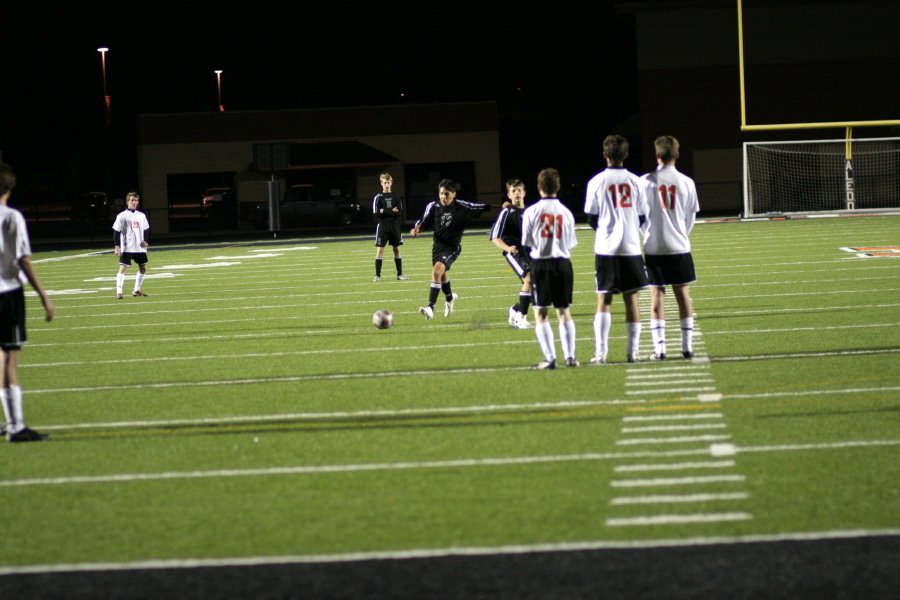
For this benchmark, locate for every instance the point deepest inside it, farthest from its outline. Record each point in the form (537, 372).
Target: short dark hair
(449, 184)
(615, 147)
(510, 184)
(7, 178)
(548, 181)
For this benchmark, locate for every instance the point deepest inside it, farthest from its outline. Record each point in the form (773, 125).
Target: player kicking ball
(449, 217)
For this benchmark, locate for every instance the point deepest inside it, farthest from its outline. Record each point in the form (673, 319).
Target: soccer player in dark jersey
(449, 218)
(388, 209)
(506, 234)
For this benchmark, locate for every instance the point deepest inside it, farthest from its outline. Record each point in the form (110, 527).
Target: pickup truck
(306, 204)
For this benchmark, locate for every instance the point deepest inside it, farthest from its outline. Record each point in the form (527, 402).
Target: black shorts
(140, 258)
(520, 263)
(620, 274)
(444, 254)
(670, 269)
(12, 319)
(388, 232)
(552, 281)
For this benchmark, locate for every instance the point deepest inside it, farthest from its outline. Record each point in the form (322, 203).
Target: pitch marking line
(679, 519)
(650, 428)
(669, 391)
(673, 440)
(719, 464)
(419, 553)
(629, 419)
(403, 466)
(676, 498)
(668, 481)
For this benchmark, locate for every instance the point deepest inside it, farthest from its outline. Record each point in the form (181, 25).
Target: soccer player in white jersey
(131, 233)
(15, 261)
(673, 204)
(548, 229)
(616, 207)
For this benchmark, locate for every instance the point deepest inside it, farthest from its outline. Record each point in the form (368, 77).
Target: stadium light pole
(218, 73)
(103, 50)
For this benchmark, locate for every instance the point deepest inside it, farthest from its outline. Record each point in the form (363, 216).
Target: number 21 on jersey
(549, 223)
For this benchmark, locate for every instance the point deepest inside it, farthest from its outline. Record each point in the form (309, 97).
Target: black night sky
(560, 85)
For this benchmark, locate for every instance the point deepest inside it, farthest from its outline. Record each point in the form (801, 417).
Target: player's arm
(117, 240)
(35, 281)
(146, 242)
(424, 221)
(691, 210)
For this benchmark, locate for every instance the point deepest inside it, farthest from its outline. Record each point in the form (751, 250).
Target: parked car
(305, 204)
(93, 206)
(216, 195)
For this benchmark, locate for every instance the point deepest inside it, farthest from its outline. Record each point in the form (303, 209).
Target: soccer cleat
(427, 311)
(376, 279)
(634, 358)
(402, 278)
(26, 435)
(571, 362)
(138, 293)
(448, 308)
(513, 317)
(688, 354)
(655, 356)
(119, 296)
(598, 360)
(522, 323)
(545, 365)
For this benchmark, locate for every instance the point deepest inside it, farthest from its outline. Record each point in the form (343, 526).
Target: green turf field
(247, 409)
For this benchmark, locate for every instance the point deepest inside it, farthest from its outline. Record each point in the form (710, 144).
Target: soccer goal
(821, 176)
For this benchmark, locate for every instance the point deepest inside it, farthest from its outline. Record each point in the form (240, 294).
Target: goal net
(821, 176)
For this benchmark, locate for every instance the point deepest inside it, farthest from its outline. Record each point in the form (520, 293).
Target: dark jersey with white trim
(449, 222)
(387, 201)
(508, 227)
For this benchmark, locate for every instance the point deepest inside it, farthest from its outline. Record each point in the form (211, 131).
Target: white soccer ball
(382, 319)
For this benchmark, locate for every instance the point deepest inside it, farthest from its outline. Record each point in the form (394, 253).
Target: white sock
(18, 415)
(567, 338)
(602, 323)
(7, 408)
(687, 334)
(634, 337)
(658, 334)
(120, 282)
(138, 281)
(544, 334)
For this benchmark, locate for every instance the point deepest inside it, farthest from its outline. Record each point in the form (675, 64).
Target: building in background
(327, 157)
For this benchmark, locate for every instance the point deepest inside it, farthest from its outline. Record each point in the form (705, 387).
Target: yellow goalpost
(850, 201)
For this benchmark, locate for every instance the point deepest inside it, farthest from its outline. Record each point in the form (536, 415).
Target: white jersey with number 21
(548, 228)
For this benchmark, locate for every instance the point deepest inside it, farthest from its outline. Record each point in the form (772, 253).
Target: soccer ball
(382, 319)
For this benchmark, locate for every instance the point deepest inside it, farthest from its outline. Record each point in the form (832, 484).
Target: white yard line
(418, 553)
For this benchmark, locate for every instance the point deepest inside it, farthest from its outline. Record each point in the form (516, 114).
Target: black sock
(399, 262)
(448, 293)
(524, 303)
(433, 294)
(378, 262)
